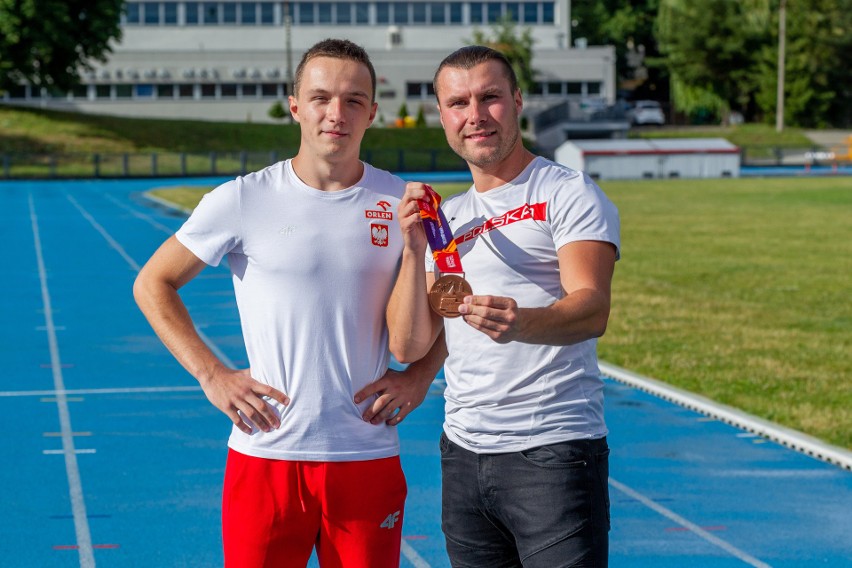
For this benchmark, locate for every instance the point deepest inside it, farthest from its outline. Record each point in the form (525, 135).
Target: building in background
(230, 61)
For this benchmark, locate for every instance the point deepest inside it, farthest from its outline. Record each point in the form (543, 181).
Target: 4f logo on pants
(390, 521)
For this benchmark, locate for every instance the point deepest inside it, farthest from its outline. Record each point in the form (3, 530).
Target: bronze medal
(447, 294)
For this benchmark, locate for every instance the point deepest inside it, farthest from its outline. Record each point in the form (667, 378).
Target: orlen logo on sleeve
(383, 214)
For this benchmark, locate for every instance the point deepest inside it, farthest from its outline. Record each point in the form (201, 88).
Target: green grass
(188, 196)
(739, 290)
(27, 130)
(735, 289)
(742, 135)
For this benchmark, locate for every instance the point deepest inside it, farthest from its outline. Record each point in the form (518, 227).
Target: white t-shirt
(510, 397)
(312, 271)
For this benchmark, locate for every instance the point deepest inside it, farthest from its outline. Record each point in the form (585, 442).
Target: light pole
(782, 42)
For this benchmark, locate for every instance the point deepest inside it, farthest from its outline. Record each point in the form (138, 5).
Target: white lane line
(57, 452)
(692, 527)
(112, 242)
(75, 485)
(716, 411)
(128, 390)
(135, 266)
(412, 556)
(151, 221)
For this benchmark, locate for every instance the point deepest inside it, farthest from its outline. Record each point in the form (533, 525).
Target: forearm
(409, 318)
(426, 368)
(577, 317)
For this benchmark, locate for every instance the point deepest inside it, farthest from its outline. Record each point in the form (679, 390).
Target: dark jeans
(546, 507)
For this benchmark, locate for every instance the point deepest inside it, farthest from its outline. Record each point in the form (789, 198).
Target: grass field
(736, 289)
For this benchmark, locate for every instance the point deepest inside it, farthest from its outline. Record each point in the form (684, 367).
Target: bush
(277, 111)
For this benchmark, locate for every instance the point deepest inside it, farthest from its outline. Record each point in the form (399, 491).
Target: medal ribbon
(438, 233)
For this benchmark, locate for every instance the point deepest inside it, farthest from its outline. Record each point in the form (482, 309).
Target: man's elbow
(599, 323)
(405, 352)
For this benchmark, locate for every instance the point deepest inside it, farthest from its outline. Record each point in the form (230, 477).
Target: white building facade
(232, 60)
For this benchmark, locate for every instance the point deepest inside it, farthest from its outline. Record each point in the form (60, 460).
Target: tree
(818, 89)
(725, 52)
(47, 43)
(629, 25)
(277, 111)
(517, 47)
(710, 49)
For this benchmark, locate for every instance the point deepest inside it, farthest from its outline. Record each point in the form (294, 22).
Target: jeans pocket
(443, 444)
(564, 456)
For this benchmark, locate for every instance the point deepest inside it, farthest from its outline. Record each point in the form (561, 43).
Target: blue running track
(113, 457)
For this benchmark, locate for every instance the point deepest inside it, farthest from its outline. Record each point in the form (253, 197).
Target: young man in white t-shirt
(524, 455)
(314, 246)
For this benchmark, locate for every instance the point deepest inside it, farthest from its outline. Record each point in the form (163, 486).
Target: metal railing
(188, 164)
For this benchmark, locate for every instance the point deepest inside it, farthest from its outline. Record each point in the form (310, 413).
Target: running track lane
(118, 456)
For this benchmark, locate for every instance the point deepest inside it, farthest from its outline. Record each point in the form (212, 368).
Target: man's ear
(294, 107)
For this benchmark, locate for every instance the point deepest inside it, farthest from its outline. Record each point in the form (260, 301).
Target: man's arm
(412, 325)
(586, 269)
(400, 392)
(231, 391)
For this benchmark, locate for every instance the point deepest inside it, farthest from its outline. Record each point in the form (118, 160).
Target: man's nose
(334, 111)
(476, 112)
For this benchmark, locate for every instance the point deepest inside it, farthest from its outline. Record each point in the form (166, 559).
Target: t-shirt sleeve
(580, 211)
(213, 230)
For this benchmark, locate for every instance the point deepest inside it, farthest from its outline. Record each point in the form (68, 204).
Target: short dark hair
(471, 56)
(337, 49)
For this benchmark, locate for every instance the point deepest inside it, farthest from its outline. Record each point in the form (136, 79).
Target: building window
(362, 13)
(229, 90)
(229, 13)
(418, 13)
(268, 90)
(186, 91)
(306, 13)
(456, 13)
(267, 13)
(495, 12)
(211, 13)
(208, 91)
(419, 90)
(437, 13)
(400, 13)
(513, 10)
(324, 13)
(144, 91)
(191, 13)
(170, 13)
(574, 88)
(131, 13)
(123, 91)
(151, 12)
(593, 88)
(531, 13)
(344, 13)
(18, 92)
(476, 12)
(103, 91)
(547, 10)
(248, 13)
(165, 91)
(249, 90)
(382, 12)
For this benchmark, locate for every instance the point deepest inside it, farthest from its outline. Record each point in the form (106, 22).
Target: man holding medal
(314, 248)
(525, 257)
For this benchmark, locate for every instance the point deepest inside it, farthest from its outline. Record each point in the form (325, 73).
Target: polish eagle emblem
(379, 234)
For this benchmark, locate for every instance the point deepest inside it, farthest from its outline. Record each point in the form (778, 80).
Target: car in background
(646, 112)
